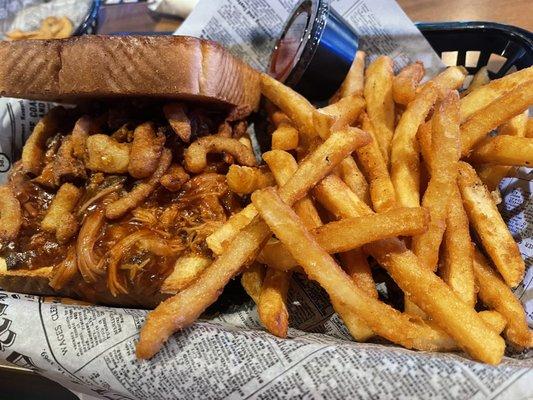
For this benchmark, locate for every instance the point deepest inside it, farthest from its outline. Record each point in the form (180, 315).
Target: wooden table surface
(134, 17)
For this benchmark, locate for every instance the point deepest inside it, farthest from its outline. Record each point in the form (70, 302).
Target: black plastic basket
(477, 44)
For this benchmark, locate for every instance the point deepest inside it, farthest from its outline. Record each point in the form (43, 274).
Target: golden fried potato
(405, 83)
(245, 180)
(186, 270)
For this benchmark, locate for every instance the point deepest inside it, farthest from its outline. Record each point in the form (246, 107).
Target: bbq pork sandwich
(113, 198)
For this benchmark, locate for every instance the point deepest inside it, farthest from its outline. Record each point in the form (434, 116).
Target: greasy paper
(228, 354)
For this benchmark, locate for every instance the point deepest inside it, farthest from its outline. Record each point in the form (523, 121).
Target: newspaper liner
(91, 349)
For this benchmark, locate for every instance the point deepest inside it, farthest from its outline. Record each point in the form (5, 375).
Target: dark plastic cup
(314, 51)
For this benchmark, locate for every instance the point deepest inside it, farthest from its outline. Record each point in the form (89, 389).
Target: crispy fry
(381, 190)
(445, 155)
(187, 268)
(343, 112)
(351, 233)
(272, 307)
(405, 83)
(105, 154)
(504, 150)
(174, 178)
(450, 79)
(494, 114)
(354, 178)
(34, 148)
(327, 190)
(456, 270)
(65, 271)
(379, 102)
(497, 295)
(252, 280)
(494, 319)
(195, 156)
(141, 191)
(450, 313)
(491, 175)
(481, 77)
(245, 180)
(355, 264)
(61, 207)
(10, 215)
(490, 227)
(178, 120)
(354, 81)
(484, 95)
(184, 308)
(279, 118)
(295, 106)
(529, 127)
(285, 137)
(145, 151)
(405, 163)
(227, 232)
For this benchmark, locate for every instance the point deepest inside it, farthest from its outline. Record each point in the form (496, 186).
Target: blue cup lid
(314, 51)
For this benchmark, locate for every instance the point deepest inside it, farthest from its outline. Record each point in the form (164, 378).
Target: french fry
(481, 77)
(440, 303)
(529, 127)
(382, 193)
(184, 308)
(285, 137)
(283, 165)
(343, 112)
(504, 150)
(405, 83)
(326, 191)
(489, 225)
(494, 319)
(484, 95)
(354, 178)
(497, 295)
(405, 163)
(355, 264)
(351, 233)
(245, 180)
(379, 102)
(252, 280)
(457, 270)
(272, 307)
(516, 126)
(187, 268)
(346, 296)
(231, 227)
(295, 106)
(354, 81)
(424, 141)
(451, 78)
(445, 155)
(492, 175)
(494, 114)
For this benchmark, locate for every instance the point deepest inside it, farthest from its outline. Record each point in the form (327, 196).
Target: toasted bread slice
(93, 66)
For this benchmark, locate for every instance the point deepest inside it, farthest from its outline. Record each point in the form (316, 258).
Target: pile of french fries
(392, 169)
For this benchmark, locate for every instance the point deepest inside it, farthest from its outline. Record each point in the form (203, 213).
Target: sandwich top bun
(95, 66)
